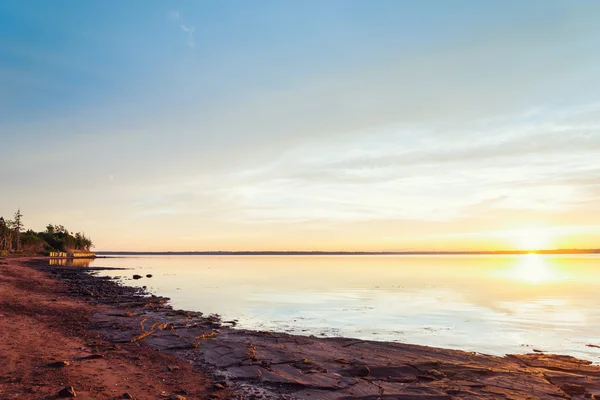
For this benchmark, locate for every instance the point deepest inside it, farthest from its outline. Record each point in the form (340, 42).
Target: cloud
(175, 16)
(430, 175)
(190, 32)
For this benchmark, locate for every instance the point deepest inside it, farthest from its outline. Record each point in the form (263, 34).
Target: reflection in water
(535, 268)
(481, 303)
(71, 262)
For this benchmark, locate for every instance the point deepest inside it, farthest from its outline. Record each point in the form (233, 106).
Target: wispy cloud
(190, 32)
(521, 165)
(175, 16)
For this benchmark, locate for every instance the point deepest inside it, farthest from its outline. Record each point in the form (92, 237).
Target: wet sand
(54, 313)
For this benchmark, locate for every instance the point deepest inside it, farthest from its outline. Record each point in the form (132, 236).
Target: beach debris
(67, 391)
(208, 335)
(136, 276)
(149, 276)
(59, 364)
(593, 345)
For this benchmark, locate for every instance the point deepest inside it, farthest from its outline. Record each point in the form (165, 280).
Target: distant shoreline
(346, 253)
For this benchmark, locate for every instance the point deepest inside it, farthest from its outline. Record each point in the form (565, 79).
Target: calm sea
(488, 304)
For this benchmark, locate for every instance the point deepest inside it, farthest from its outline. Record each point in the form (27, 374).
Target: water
(488, 304)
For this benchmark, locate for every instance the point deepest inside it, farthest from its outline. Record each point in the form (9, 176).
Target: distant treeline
(15, 239)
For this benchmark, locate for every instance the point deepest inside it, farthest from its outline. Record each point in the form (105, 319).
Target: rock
(436, 374)
(149, 276)
(358, 370)
(126, 395)
(92, 357)
(175, 397)
(67, 391)
(137, 276)
(342, 360)
(573, 390)
(59, 364)
(173, 368)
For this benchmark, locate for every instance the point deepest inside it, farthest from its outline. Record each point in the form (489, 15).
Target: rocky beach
(66, 332)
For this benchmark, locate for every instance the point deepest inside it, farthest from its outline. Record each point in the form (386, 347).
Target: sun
(530, 239)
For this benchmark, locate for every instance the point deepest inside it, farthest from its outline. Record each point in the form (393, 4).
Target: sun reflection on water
(534, 268)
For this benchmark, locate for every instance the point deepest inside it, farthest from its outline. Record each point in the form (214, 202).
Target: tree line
(15, 239)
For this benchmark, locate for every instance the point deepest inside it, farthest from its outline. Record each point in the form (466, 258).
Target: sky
(303, 125)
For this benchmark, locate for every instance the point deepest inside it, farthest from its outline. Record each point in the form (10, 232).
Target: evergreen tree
(18, 226)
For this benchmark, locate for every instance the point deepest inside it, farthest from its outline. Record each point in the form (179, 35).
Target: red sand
(41, 324)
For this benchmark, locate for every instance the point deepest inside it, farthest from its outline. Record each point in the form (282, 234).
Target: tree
(13, 237)
(31, 242)
(18, 226)
(5, 237)
(7, 234)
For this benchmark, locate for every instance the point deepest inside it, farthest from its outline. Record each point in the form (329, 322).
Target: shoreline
(244, 364)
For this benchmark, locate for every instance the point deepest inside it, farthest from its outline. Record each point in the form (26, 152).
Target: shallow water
(489, 304)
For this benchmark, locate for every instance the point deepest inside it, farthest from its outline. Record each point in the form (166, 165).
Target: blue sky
(303, 124)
